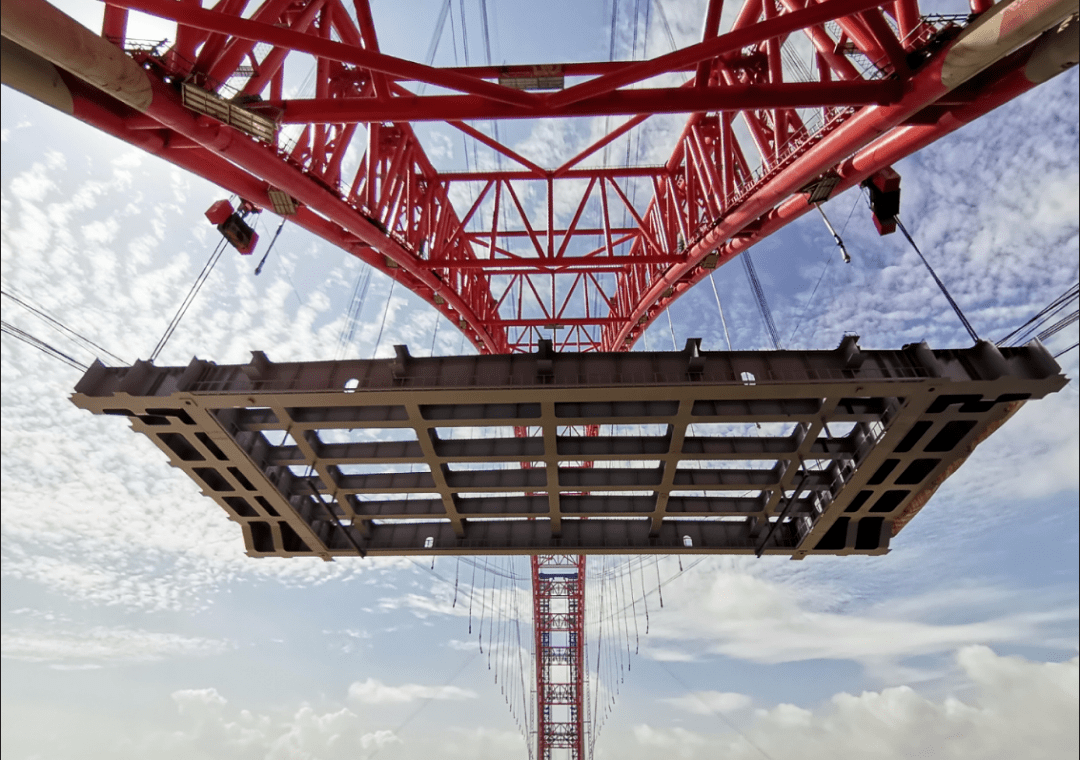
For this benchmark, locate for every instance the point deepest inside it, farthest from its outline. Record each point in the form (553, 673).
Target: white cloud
(1010, 708)
(709, 702)
(729, 610)
(90, 647)
(216, 729)
(374, 692)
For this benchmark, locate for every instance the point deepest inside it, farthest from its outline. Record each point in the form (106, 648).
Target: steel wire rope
(521, 670)
(633, 605)
(472, 588)
(483, 609)
(425, 702)
(828, 261)
(596, 690)
(644, 596)
(200, 280)
(1034, 322)
(717, 713)
(1058, 326)
(382, 325)
(262, 261)
(48, 349)
(720, 309)
(682, 571)
(759, 297)
(945, 291)
(356, 307)
(810, 299)
(667, 26)
(436, 37)
(59, 326)
(493, 641)
(1066, 350)
(621, 590)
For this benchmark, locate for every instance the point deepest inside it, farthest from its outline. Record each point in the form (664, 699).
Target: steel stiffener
(418, 455)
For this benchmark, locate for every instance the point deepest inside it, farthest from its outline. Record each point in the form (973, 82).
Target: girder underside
(793, 453)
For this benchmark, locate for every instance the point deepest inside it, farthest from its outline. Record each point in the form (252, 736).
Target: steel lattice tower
(558, 582)
(762, 145)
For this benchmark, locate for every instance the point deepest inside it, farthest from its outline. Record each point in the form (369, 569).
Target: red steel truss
(486, 247)
(558, 582)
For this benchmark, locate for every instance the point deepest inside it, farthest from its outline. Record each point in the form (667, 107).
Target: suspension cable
(810, 300)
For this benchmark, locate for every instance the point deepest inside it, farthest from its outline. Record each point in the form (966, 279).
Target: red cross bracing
(558, 582)
(788, 101)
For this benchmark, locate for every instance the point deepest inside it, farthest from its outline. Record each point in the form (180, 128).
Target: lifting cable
(262, 261)
(356, 307)
(720, 309)
(436, 38)
(711, 710)
(1023, 332)
(762, 304)
(386, 310)
(50, 350)
(59, 326)
(828, 261)
(836, 235)
(940, 284)
(186, 304)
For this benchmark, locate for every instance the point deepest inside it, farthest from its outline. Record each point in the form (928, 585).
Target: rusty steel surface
(788, 452)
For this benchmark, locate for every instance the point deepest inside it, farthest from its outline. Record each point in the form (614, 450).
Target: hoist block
(219, 212)
(884, 187)
(239, 234)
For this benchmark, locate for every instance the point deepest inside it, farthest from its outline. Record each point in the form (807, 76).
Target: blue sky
(134, 625)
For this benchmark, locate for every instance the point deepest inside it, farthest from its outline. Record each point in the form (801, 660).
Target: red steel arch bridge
(787, 102)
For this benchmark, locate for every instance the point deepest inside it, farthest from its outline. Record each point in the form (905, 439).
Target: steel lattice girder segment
(271, 444)
(461, 288)
(558, 583)
(871, 138)
(101, 85)
(706, 197)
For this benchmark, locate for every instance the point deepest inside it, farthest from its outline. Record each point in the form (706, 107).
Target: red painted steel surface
(558, 582)
(485, 247)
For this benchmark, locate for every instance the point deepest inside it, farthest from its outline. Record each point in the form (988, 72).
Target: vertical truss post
(558, 583)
